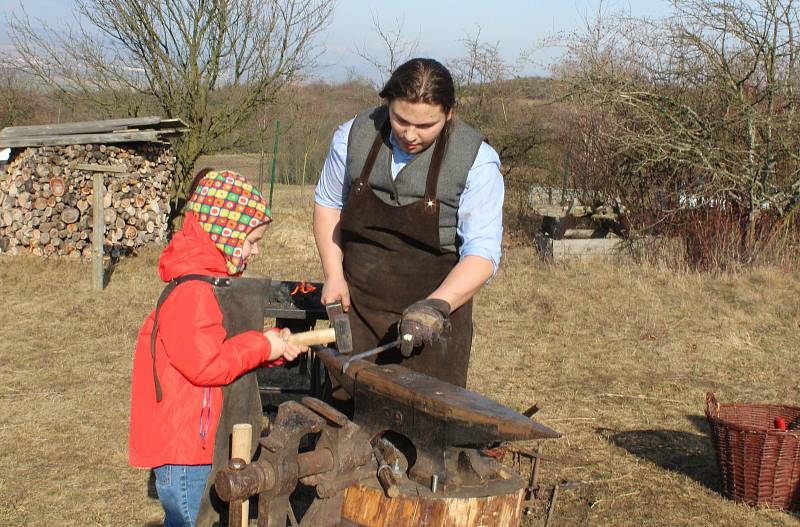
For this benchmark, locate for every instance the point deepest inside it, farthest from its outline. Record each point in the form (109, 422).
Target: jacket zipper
(205, 416)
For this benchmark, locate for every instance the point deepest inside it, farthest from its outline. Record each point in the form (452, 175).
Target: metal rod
(369, 353)
(552, 507)
(235, 516)
(277, 390)
(315, 462)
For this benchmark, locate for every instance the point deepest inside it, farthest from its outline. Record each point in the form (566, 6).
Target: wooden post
(98, 221)
(241, 442)
(98, 231)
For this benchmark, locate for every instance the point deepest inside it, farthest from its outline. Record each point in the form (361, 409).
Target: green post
(274, 160)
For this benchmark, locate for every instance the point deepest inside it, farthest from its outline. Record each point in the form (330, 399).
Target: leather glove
(425, 321)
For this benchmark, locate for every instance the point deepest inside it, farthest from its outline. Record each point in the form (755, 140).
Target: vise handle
(385, 474)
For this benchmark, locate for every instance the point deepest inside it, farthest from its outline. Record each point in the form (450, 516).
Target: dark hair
(196, 180)
(421, 80)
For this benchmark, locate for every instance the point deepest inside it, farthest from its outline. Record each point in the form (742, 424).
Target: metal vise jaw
(341, 450)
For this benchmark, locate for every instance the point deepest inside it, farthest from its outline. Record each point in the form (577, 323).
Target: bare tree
(702, 104)
(17, 98)
(492, 99)
(210, 62)
(482, 65)
(396, 49)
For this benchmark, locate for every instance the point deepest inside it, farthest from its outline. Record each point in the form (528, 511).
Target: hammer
(339, 331)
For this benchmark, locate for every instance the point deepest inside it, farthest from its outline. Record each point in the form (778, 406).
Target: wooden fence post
(98, 217)
(98, 231)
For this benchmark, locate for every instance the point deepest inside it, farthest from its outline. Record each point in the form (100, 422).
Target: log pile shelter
(46, 185)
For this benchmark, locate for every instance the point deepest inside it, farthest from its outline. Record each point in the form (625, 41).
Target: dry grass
(619, 357)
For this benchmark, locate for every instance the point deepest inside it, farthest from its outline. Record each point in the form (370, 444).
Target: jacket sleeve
(190, 328)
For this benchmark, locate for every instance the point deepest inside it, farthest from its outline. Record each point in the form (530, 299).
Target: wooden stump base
(366, 505)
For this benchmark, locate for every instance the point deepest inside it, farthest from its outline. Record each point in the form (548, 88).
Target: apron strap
(435, 165)
(380, 138)
(216, 281)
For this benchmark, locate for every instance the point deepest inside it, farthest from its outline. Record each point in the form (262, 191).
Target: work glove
(424, 322)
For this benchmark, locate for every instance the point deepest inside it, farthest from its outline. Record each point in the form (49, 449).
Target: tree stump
(366, 504)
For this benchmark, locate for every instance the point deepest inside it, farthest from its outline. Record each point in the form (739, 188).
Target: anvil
(447, 425)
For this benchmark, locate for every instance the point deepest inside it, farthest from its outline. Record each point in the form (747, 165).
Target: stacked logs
(46, 200)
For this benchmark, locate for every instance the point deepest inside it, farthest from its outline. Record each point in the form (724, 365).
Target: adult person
(408, 222)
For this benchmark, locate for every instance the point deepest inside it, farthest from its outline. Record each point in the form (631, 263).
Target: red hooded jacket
(194, 359)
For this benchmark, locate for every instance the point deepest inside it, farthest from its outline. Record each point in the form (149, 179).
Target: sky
(438, 26)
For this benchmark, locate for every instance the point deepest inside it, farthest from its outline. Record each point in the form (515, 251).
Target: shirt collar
(399, 155)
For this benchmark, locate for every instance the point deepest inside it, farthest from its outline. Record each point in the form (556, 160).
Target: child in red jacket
(175, 406)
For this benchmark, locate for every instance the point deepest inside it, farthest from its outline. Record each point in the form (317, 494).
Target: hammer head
(341, 327)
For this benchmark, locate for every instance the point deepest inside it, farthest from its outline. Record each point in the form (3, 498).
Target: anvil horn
(472, 418)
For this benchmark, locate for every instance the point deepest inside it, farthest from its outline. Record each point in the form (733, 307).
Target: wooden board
(578, 234)
(559, 211)
(82, 139)
(91, 127)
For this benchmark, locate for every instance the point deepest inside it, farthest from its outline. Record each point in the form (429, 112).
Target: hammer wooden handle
(314, 337)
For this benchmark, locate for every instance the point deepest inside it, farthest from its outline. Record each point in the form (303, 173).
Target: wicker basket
(758, 464)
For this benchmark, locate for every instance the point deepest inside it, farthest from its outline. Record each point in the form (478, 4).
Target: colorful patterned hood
(228, 208)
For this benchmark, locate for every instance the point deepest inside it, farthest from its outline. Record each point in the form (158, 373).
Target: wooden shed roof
(132, 130)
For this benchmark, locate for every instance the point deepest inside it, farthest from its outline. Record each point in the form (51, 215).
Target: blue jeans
(180, 489)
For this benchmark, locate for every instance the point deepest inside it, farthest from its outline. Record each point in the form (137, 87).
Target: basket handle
(712, 406)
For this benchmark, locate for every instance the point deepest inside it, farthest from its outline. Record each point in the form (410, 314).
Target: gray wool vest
(409, 186)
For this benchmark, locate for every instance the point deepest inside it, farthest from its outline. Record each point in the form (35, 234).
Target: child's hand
(281, 347)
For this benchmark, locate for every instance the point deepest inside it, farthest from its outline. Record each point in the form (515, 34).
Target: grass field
(618, 356)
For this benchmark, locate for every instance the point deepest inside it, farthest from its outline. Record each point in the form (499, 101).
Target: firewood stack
(46, 201)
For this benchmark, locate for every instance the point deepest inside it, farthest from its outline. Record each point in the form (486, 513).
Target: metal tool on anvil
(375, 351)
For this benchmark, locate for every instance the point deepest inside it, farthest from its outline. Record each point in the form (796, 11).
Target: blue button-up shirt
(480, 209)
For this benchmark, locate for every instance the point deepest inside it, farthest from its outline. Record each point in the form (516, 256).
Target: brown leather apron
(392, 258)
(242, 306)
